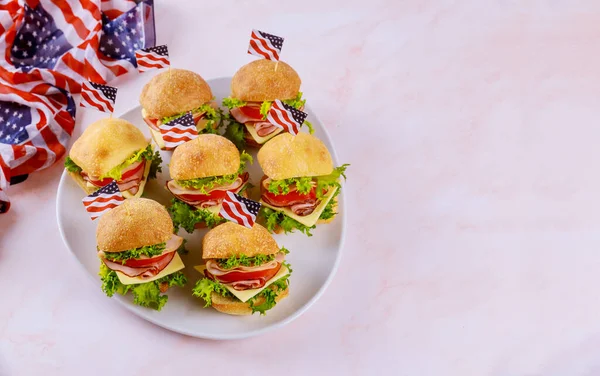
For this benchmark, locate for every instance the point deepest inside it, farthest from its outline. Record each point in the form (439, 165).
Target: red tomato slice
(133, 172)
(140, 263)
(239, 276)
(101, 183)
(252, 112)
(285, 200)
(214, 195)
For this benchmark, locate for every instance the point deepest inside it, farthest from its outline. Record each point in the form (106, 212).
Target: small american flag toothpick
(239, 209)
(103, 200)
(98, 96)
(286, 117)
(267, 46)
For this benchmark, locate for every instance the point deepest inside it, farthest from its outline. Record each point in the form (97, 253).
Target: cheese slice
(257, 138)
(245, 295)
(307, 220)
(174, 266)
(215, 209)
(157, 136)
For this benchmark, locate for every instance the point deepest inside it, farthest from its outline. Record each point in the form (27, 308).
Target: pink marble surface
(472, 128)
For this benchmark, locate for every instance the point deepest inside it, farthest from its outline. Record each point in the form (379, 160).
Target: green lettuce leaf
(297, 103)
(270, 294)
(276, 218)
(205, 287)
(205, 184)
(241, 260)
(148, 250)
(110, 282)
(233, 103)
(144, 294)
(71, 166)
(149, 295)
(235, 133)
(304, 184)
(187, 217)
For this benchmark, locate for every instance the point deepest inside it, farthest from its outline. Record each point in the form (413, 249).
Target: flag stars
(14, 126)
(110, 42)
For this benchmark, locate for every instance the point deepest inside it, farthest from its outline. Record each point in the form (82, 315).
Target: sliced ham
(264, 128)
(304, 208)
(249, 284)
(143, 272)
(171, 245)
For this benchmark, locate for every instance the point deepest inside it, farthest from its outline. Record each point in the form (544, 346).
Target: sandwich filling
(128, 175)
(146, 271)
(254, 280)
(251, 125)
(298, 203)
(198, 201)
(206, 117)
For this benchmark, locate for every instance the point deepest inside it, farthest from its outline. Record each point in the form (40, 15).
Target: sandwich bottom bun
(232, 306)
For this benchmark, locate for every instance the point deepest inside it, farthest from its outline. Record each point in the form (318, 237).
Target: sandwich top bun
(106, 144)
(286, 156)
(137, 222)
(205, 156)
(173, 92)
(259, 81)
(229, 239)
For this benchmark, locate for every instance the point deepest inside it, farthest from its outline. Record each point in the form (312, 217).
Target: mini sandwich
(300, 186)
(138, 252)
(203, 171)
(245, 270)
(253, 89)
(173, 93)
(113, 149)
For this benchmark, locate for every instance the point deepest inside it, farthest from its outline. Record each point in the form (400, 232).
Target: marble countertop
(472, 129)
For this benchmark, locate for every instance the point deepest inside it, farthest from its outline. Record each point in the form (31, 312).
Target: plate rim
(247, 334)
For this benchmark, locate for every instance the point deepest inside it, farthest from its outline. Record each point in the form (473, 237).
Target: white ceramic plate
(314, 259)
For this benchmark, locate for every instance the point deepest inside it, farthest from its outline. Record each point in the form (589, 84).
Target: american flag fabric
(267, 46)
(240, 210)
(103, 200)
(50, 49)
(286, 117)
(152, 58)
(178, 131)
(100, 97)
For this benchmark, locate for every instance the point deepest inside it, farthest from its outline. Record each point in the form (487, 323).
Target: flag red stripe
(88, 102)
(264, 44)
(151, 56)
(72, 19)
(258, 50)
(96, 210)
(145, 64)
(89, 200)
(238, 206)
(100, 97)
